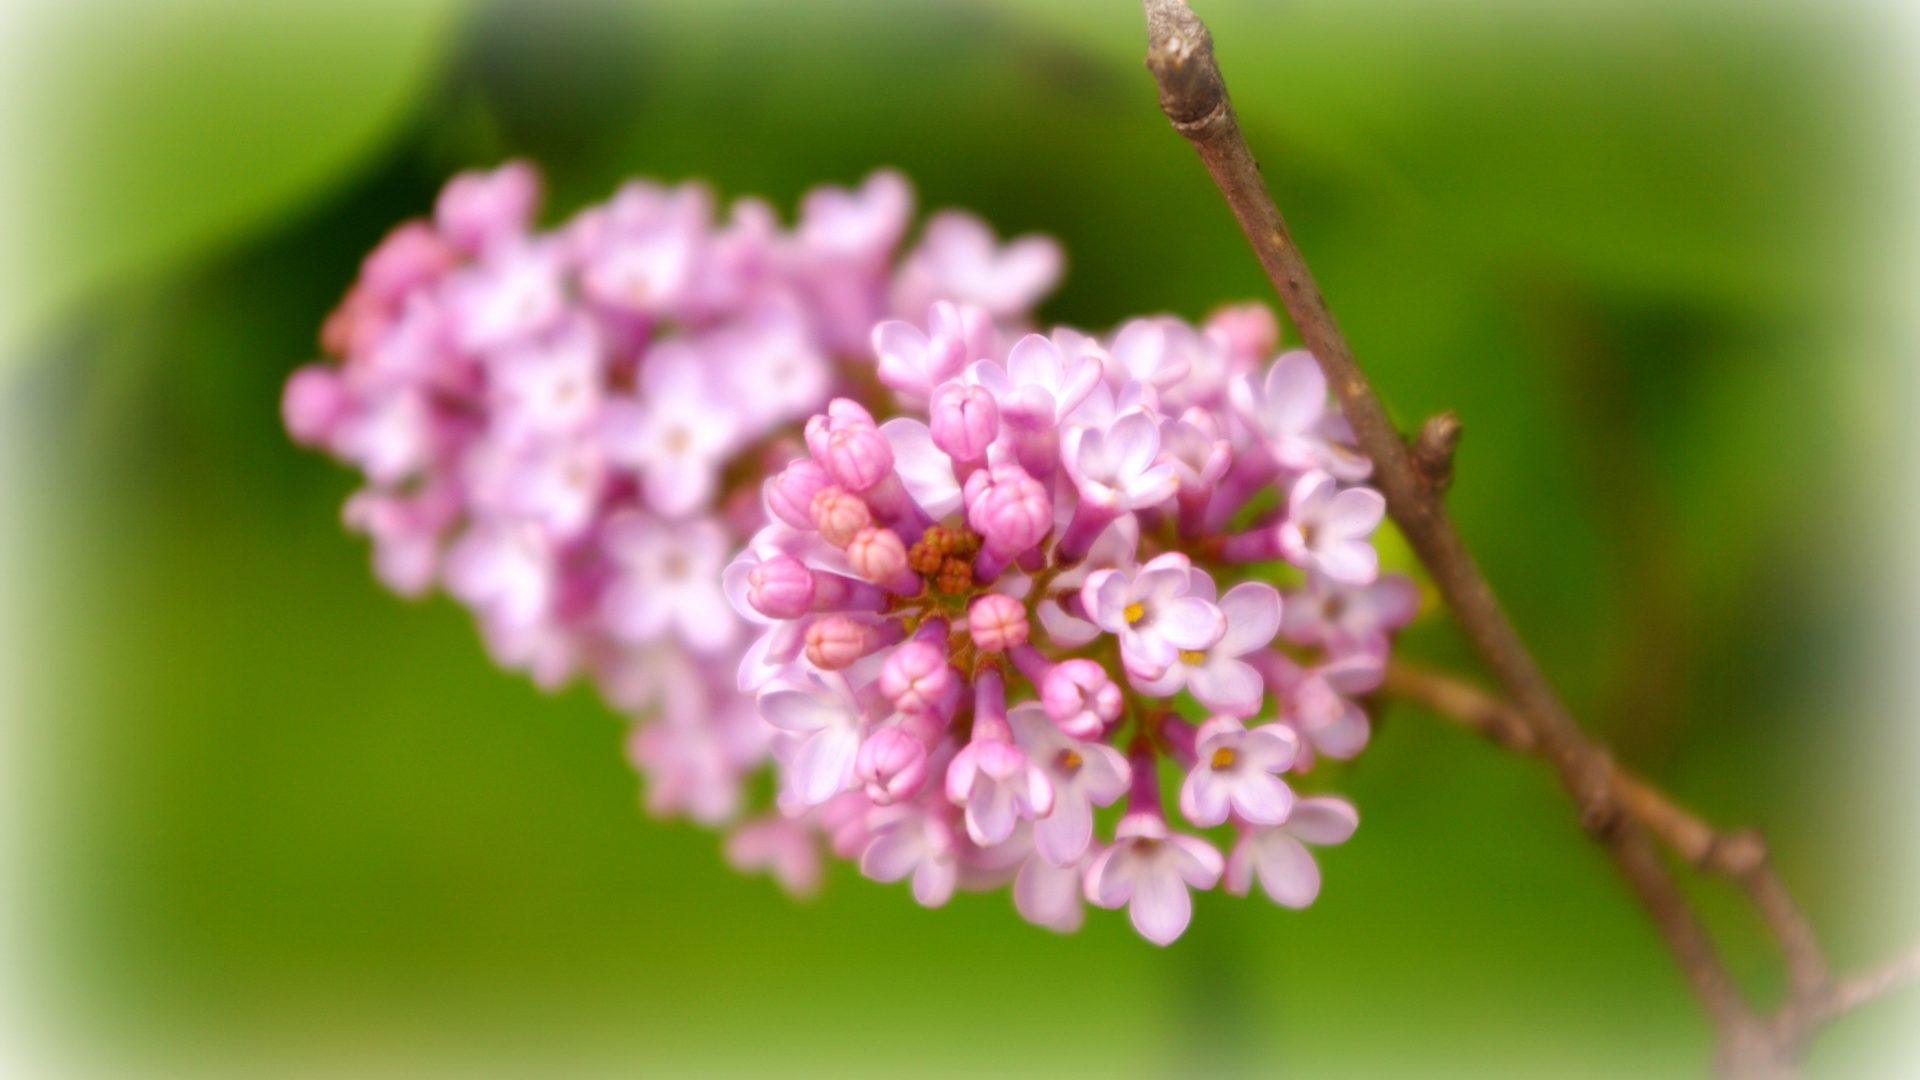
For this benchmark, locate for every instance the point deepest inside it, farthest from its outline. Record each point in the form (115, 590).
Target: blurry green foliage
(303, 819)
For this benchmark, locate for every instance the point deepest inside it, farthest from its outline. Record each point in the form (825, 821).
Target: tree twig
(1194, 97)
(1621, 816)
(1814, 998)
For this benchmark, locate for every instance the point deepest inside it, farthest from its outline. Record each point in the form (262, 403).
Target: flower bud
(477, 208)
(878, 555)
(790, 495)
(997, 623)
(780, 588)
(835, 642)
(1080, 698)
(839, 514)
(965, 421)
(892, 764)
(1248, 332)
(1012, 512)
(916, 677)
(313, 404)
(842, 414)
(859, 457)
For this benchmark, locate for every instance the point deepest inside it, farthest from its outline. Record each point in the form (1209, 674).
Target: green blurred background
(282, 822)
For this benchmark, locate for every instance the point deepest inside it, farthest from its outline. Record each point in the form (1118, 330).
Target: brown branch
(1194, 97)
(1814, 998)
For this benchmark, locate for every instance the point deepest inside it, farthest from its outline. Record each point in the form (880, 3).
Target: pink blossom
(1083, 775)
(823, 712)
(916, 841)
(787, 849)
(1326, 529)
(675, 434)
(668, 583)
(1216, 675)
(1151, 613)
(1277, 855)
(1149, 870)
(958, 259)
(1238, 769)
(1349, 618)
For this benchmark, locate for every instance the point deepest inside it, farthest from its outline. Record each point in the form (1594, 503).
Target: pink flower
(1238, 769)
(822, 711)
(958, 259)
(1049, 895)
(1083, 775)
(911, 840)
(1081, 698)
(1326, 529)
(1149, 870)
(668, 583)
(1119, 469)
(991, 778)
(1349, 618)
(675, 434)
(1216, 675)
(787, 849)
(477, 209)
(1152, 614)
(1277, 856)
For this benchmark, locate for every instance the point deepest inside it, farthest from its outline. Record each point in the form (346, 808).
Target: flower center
(1069, 761)
(1223, 758)
(1192, 657)
(1135, 612)
(678, 440)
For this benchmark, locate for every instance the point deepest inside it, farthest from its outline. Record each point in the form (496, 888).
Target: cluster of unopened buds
(1005, 584)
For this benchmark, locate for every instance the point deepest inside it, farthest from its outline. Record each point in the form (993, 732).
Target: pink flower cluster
(983, 619)
(793, 497)
(565, 428)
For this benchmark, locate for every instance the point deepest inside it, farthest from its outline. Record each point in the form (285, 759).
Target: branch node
(1738, 854)
(1433, 450)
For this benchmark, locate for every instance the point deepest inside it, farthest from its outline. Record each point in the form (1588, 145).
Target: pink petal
(1354, 562)
(1227, 686)
(1197, 861)
(933, 881)
(1048, 895)
(892, 855)
(1110, 877)
(1062, 836)
(1345, 737)
(1252, 609)
(1205, 796)
(990, 814)
(1323, 819)
(1287, 872)
(923, 468)
(1262, 798)
(1296, 392)
(1354, 512)
(823, 765)
(1161, 908)
(1190, 623)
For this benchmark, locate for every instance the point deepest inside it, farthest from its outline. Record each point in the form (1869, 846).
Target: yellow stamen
(1189, 656)
(1134, 613)
(1069, 761)
(1223, 757)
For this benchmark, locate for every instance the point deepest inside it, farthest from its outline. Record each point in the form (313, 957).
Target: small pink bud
(877, 554)
(790, 495)
(476, 208)
(859, 457)
(841, 414)
(835, 642)
(780, 588)
(312, 404)
(997, 622)
(839, 514)
(1249, 332)
(408, 257)
(965, 421)
(892, 764)
(1012, 512)
(1080, 698)
(916, 677)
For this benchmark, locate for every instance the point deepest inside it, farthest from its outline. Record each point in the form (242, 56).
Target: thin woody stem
(1814, 998)
(1194, 97)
